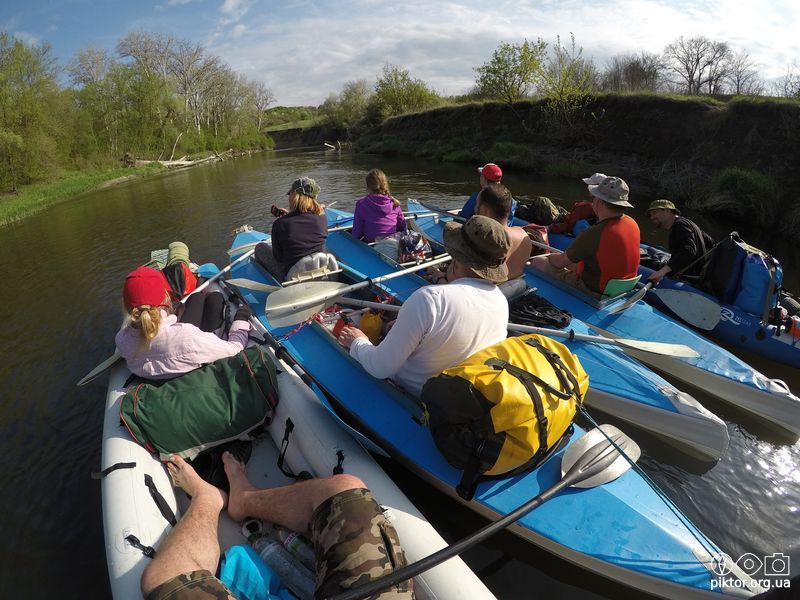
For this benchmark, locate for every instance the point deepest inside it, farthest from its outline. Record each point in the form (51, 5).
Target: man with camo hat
(353, 540)
(441, 325)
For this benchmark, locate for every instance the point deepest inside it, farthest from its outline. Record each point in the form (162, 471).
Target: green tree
(567, 74)
(396, 93)
(348, 107)
(569, 80)
(513, 71)
(633, 73)
(30, 118)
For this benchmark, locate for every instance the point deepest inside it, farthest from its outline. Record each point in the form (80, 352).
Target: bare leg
(291, 506)
(193, 544)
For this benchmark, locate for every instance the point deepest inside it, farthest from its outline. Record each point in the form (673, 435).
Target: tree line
(561, 73)
(156, 96)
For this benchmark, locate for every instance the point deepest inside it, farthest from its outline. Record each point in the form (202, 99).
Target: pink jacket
(177, 348)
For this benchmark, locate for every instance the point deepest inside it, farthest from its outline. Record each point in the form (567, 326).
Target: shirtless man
(353, 539)
(494, 201)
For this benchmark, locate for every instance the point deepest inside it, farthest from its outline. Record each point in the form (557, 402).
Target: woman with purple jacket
(377, 214)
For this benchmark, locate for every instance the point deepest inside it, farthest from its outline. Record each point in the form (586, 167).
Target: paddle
(637, 295)
(697, 310)
(678, 350)
(295, 304)
(112, 360)
(599, 457)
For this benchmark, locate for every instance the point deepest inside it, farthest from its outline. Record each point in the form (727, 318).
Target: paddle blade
(600, 456)
(638, 295)
(677, 350)
(101, 368)
(697, 310)
(295, 304)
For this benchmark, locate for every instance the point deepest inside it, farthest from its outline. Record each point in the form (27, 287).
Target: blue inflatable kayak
(736, 326)
(625, 530)
(716, 371)
(619, 385)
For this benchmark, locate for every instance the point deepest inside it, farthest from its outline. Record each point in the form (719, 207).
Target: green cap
(663, 203)
(306, 186)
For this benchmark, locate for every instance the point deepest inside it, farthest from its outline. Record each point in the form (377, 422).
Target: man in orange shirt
(605, 251)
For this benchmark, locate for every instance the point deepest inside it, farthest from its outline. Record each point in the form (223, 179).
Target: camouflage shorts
(197, 585)
(355, 543)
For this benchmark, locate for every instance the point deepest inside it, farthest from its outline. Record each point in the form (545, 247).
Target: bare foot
(237, 477)
(186, 478)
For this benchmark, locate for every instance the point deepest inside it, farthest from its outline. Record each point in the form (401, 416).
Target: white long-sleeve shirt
(438, 327)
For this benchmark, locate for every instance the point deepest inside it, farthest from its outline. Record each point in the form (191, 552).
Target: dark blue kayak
(625, 530)
(716, 371)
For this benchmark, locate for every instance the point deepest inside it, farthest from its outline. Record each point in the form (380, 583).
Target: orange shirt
(607, 250)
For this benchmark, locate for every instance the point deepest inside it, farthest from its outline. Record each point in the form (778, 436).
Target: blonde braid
(147, 319)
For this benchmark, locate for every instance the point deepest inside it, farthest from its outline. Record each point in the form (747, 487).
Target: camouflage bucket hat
(663, 203)
(480, 244)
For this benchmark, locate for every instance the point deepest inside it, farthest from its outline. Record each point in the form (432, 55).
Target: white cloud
(235, 9)
(239, 30)
(327, 44)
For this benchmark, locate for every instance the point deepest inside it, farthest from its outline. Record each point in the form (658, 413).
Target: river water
(60, 307)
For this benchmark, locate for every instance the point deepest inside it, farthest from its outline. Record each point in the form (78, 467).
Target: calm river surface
(59, 309)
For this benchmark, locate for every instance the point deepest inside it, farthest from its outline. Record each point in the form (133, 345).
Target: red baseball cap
(145, 286)
(491, 172)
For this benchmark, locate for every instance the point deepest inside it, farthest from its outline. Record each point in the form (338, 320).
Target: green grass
(293, 125)
(36, 197)
(567, 169)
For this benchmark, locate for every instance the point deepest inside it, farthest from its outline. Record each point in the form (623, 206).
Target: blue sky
(306, 49)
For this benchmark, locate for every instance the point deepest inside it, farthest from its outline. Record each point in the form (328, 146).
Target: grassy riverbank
(36, 197)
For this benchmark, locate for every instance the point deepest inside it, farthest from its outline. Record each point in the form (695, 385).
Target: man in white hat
(605, 251)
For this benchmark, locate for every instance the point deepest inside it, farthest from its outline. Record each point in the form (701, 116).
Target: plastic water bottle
(291, 571)
(298, 545)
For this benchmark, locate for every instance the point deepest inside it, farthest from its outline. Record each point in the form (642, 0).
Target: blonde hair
(147, 319)
(299, 202)
(378, 183)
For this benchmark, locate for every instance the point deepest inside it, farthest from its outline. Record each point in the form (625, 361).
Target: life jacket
(180, 280)
(504, 408)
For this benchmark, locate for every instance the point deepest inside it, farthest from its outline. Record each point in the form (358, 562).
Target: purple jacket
(177, 348)
(377, 216)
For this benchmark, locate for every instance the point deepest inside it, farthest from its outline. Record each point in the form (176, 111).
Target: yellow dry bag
(504, 408)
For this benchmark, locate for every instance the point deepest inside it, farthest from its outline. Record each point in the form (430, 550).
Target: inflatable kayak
(715, 371)
(736, 326)
(317, 444)
(626, 530)
(618, 384)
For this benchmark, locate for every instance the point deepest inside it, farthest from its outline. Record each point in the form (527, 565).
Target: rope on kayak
(319, 317)
(705, 542)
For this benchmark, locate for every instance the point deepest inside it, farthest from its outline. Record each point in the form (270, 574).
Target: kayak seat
(320, 265)
(615, 287)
